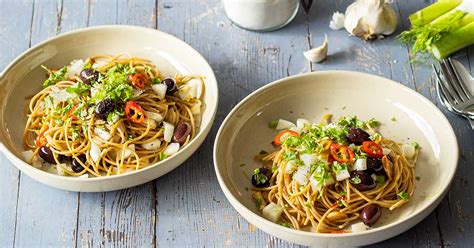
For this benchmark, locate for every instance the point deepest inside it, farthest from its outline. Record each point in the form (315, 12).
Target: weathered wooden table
(186, 208)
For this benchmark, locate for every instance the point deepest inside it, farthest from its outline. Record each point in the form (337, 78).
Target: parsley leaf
(54, 76)
(79, 89)
(163, 156)
(404, 195)
(356, 180)
(260, 178)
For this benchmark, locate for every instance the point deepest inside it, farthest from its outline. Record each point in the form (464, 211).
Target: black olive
(181, 132)
(261, 177)
(103, 108)
(170, 86)
(76, 166)
(89, 75)
(362, 181)
(46, 154)
(370, 214)
(357, 136)
(374, 165)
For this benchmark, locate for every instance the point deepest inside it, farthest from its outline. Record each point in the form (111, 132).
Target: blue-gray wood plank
(186, 207)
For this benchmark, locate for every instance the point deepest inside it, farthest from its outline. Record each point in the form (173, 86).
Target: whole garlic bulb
(369, 18)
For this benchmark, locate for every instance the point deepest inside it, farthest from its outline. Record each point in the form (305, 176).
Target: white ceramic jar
(261, 15)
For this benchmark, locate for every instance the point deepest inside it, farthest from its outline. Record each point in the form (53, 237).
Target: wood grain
(186, 207)
(10, 176)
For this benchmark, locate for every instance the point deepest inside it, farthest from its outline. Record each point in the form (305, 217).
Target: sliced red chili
(372, 149)
(342, 154)
(71, 113)
(41, 140)
(278, 138)
(138, 80)
(134, 112)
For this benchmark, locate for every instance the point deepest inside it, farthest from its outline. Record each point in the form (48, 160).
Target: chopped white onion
(284, 124)
(295, 129)
(103, 134)
(196, 88)
(60, 95)
(190, 90)
(95, 152)
(196, 108)
(315, 183)
(152, 123)
(60, 170)
(386, 151)
(359, 227)
(136, 93)
(374, 177)
(408, 150)
(303, 124)
(99, 63)
(75, 68)
(171, 149)
(168, 131)
(128, 151)
(290, 167)
(272, 212)
(83, 176)
(360, 164)
(301, 175)
(36, 162)
(152, 145)
(308, 159)
(160, 90)
(28, 156)
(342, 175)
(154, 116)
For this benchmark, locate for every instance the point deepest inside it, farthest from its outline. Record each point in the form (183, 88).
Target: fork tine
(451, 83)
(462, 84)
(440, 87)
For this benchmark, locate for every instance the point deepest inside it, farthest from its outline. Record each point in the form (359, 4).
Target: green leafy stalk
(424, 36)
(430, 13)
(453, 41)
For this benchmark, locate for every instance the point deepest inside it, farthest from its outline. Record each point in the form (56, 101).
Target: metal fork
(442, 97)
(455, 89)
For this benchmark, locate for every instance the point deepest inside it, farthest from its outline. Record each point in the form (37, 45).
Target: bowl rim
(214, 104)
(239, 206)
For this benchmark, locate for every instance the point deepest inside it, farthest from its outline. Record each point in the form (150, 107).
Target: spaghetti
(327, 176)
(108, 115)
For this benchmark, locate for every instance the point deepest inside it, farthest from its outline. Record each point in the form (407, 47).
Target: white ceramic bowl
(245, 132)
(23, 77)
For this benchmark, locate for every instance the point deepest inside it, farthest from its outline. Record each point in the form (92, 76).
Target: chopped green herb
(308, 205)
(258, 201)
(289, 155)
(404, 195)
(263, 152)
(274, 168)
(416, 145)
(417, 178)
(273, 124)
(355, 180)
(260, 178)
(380, 179)
(156, 81)
(163, 156)
(79, 89)
(286, 224)
(393, 119)
(343, 193)
(87, 66)
(242, 165)
(54, 76)
(114, 85)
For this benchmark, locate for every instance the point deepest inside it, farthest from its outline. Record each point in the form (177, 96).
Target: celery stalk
(453, 41)
(430, 13)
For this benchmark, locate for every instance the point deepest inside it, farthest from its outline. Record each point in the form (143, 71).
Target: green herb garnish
(54, 76)
(404, 195)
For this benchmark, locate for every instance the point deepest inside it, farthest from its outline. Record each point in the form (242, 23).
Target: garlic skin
(318, 54)
(368, 18)
(337, 21)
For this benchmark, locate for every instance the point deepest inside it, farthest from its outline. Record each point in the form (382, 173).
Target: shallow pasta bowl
(24, 76)
(406, 116)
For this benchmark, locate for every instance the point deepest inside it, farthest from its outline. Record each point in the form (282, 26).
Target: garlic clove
(318, 54)
(368, 19)
(337, 21)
